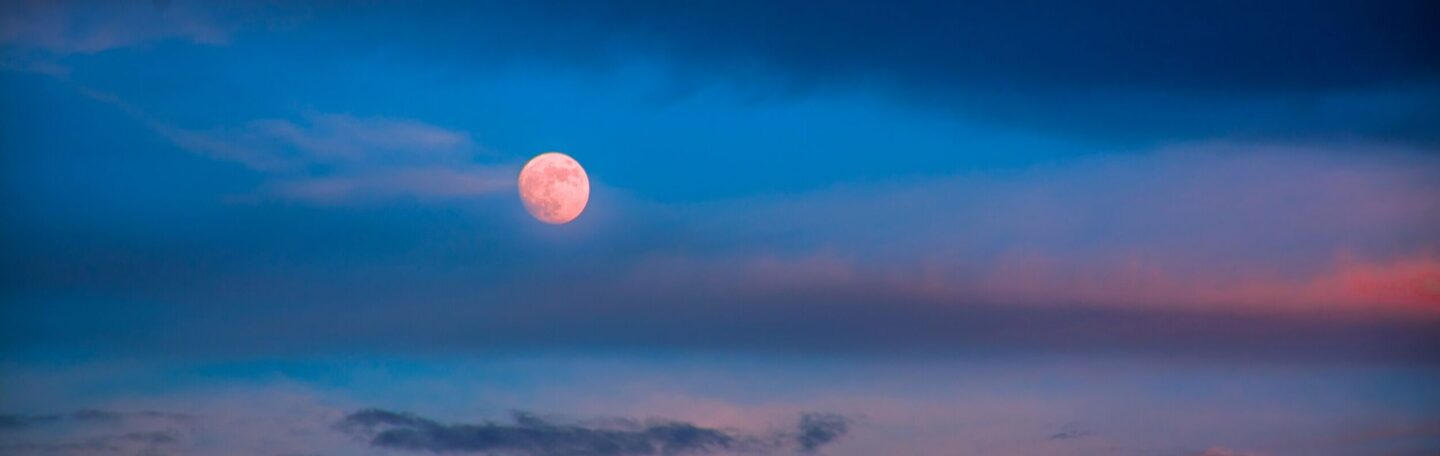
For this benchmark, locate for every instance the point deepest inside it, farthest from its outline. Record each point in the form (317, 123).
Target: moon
(554, 188)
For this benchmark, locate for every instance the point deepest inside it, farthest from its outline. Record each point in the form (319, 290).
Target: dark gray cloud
(98, 416)
(150, 437)
(1123, 68)
(1223, 45)
(1126, 69)
(12, 421)
(528, 434)
(818, 429)
(1070, 432)
(88, 416)
(93, 432)
(149, 443)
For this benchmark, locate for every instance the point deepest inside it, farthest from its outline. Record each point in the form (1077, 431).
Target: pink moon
(554, 188)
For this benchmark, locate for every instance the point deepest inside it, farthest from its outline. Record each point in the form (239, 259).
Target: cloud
(818, 429)
(330, 140)
(1070, 432)
(93, 431)
(339, 158)
(909, 405)
(1222, 451)
(14, 421)
(11, 421)
(532, 435)
(86, 27)
(1215, 227)
(1229, 68)
(422, 182)
(1232, 250)
(1216, 47)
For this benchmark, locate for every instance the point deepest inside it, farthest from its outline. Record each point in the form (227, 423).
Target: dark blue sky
(218, 201)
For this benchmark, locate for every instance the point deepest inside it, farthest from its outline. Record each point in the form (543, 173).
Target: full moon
(554, 188)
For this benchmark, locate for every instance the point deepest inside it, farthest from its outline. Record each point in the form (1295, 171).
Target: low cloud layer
(721, 408)
(530, 435)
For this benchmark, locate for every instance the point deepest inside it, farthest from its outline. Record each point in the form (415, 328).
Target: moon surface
(554, 188)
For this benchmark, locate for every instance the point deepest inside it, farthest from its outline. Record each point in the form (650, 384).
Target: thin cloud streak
(415, 182)
(326, 140)
(340, 158)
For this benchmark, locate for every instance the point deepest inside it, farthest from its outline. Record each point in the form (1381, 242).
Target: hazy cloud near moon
(340, 158)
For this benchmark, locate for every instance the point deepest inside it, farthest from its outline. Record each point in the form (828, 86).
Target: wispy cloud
(332, 140)
(420, 182)
(322, 158)
(338, 158)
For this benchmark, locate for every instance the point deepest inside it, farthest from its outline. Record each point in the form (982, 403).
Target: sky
(842, 228)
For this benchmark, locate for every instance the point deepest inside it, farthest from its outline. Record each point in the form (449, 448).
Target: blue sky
(1042, 215)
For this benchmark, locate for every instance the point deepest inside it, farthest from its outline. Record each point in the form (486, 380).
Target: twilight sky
(847, 228)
